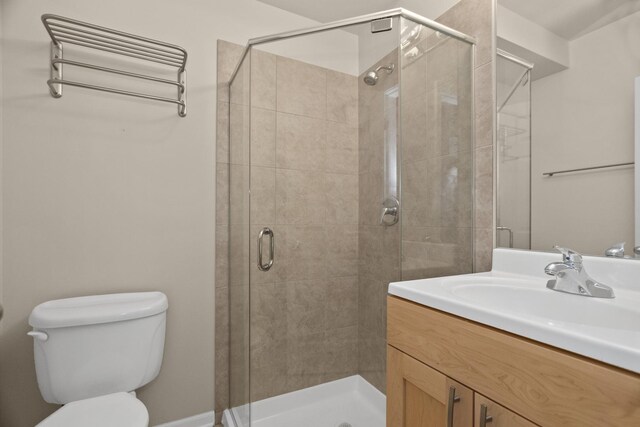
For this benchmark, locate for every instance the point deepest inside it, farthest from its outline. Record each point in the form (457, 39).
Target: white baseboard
(201, 420)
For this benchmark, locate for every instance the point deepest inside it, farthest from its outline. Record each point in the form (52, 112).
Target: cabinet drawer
(419, 396)
(495, 415)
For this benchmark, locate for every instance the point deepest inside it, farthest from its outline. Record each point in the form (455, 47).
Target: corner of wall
(1, 157)
(494, 91)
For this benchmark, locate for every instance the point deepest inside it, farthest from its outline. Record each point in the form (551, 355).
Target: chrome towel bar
(70, 31)
(589, 168)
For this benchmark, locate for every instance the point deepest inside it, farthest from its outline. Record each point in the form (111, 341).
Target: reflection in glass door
(513, 216)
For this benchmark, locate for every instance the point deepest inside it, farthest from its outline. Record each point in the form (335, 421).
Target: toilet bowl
(117, 409)
(92, 352)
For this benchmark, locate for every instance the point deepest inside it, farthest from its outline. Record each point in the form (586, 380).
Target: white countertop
(513, 297)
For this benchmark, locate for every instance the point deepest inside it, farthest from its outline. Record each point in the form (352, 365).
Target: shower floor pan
(348, 402)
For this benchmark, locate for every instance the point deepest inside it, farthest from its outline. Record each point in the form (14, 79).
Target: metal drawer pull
(262, 266)
(484, 418)
(452, 401)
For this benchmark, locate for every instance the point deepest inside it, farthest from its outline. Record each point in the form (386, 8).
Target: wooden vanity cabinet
(443, 370)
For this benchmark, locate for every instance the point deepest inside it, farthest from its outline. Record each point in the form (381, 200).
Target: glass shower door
(323, 160)
(351, 166)
(436, 98)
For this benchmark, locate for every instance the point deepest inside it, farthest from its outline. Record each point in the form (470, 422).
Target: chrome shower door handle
(261, 265)
(390, 211)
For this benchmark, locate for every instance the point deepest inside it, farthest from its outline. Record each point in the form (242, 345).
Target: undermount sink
(514, 297)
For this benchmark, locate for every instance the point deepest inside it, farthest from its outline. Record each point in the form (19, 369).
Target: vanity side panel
(548, 386)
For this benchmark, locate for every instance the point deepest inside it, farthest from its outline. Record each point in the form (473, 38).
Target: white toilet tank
(96, 345)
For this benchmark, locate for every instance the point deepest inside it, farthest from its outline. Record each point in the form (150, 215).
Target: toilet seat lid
(111, 410)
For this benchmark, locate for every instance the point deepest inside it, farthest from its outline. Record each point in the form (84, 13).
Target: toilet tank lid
(94, 309)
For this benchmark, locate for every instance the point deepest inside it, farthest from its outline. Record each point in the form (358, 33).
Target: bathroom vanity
(499, 349)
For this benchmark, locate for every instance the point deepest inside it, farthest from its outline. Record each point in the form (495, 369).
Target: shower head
(371, 78)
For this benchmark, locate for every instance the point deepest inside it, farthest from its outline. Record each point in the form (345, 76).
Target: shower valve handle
(390, 211)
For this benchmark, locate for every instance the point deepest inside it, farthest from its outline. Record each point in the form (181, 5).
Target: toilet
(93, 352)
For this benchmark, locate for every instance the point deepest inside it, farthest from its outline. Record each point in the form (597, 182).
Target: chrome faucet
(572, 278)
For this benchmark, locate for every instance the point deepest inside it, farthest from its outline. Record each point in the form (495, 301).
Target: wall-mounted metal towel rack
(616, 165)
(70, 31)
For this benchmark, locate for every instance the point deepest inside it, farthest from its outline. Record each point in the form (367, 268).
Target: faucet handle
(569, 255)
(616, 250)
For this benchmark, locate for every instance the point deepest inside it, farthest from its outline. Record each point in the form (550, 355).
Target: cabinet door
(419, 396)
(495, 415)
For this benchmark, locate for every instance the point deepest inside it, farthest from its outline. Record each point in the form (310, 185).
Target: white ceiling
(571, 19)
(333, 10)
(568, 19)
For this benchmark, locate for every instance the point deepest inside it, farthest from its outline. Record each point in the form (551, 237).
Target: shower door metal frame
(362, 19)
(513, 58)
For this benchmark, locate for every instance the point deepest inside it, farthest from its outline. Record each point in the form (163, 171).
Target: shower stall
(350, 167)
(513, 154)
